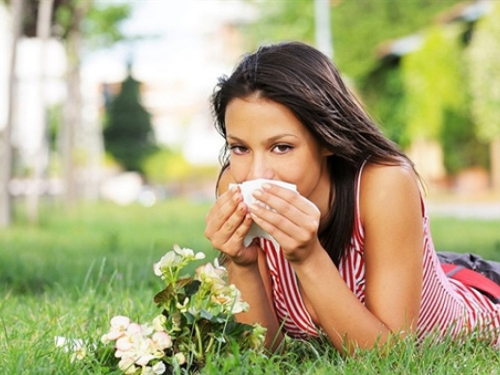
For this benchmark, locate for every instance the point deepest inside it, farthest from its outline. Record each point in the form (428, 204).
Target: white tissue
(247, 189)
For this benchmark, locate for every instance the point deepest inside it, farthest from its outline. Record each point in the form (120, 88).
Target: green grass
(467, 236)
(74, 271)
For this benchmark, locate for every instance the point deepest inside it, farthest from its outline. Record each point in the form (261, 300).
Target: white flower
(184, 252)
(158, 323)
(146, 329)
(211, 275)
(169, 260)
(230, 298)
(180, 358)
(129, 340)
(77, 347)
(183, 307)
(161, 340)
(119, 325)
(188, 254)
(127, 365)
(237, 304)
(159, 368)
(78, 354)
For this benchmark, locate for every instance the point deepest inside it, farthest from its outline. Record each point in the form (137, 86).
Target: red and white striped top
(447, 306)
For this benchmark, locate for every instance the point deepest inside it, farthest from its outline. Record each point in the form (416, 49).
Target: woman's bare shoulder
(375, 175)
(384, 187)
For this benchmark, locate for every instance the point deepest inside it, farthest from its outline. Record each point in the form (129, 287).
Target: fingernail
(254, 207)
(257, 193)
(266, 186)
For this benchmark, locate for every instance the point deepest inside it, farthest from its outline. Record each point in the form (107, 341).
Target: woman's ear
(326, 152)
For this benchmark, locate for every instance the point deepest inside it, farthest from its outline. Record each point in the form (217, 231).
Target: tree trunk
(6, 165)
(73, 105)
(495, 164)
(43, 34)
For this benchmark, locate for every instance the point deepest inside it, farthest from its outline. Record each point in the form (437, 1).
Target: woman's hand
(293, 220)
(227, 223)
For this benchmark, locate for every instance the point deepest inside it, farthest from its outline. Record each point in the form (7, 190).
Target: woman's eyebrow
(272, 139)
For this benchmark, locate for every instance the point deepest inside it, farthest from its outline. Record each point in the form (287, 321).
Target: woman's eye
(236, 149)
(281, 149)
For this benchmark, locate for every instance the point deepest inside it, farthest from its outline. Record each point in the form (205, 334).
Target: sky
(177, 54)
(177, 27)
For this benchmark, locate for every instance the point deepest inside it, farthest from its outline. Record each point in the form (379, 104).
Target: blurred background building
(427, 71)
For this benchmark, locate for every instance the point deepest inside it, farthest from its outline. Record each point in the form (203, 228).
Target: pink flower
(180, 358)
(127, 365)
(162, 340)
(119, 325)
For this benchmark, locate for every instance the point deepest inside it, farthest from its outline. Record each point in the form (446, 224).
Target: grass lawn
(70, 274)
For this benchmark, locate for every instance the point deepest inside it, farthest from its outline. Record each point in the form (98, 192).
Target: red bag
(474, 280)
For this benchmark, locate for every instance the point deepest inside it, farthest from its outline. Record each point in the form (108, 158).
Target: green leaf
(181, 283)
(235, 329)
(190, 318)
(192, 287)
(165, 296)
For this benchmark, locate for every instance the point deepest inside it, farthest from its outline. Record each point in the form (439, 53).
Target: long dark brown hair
(305, 81)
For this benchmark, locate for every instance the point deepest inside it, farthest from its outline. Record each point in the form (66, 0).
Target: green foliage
(424, 97)
(384, 95)
(461, 147)
(433, 83)
(484, 69)
(101, 23)
(358, 26)
(437, 100)
(128, 134)
(167, 166)
(100, 26)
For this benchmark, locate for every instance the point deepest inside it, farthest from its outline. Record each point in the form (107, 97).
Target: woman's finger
(223, 208)
(288, 203)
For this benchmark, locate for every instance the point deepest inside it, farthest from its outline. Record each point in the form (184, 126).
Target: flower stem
(200, 343)
(209, 346)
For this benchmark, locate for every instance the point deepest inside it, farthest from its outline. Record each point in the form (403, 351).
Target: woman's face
(266, 140)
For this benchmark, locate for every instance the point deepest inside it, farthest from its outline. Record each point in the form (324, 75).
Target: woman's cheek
(238, 171)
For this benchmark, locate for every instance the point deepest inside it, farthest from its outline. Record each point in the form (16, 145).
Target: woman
(355, 258)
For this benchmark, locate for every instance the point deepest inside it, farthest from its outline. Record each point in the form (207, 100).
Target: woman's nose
(260, 169)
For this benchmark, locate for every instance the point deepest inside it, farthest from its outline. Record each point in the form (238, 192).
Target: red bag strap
(474, 280)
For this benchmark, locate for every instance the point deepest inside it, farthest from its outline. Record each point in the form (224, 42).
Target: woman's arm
(251, 279)
(392, 221)
(251, 282)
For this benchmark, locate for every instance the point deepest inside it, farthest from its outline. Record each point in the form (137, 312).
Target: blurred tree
(43, 25)
(6, 150)
(430, 77)
(437, 98)
(128, 135)
(72, 21)
(484, 66)
(97, 25)
(358, 26)
(166, 166)
(384, 95)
